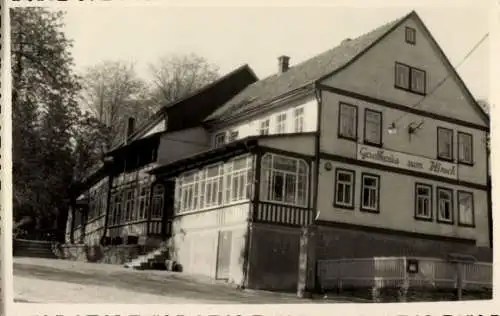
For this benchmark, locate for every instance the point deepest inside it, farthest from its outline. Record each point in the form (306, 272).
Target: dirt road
(60, 281)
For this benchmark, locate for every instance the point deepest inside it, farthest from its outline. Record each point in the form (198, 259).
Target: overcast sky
(232, 36)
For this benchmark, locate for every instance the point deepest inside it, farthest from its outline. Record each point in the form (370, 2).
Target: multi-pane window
(370, 192)
(445, 205)
(214, 185)
(157, 201)
(220, 139)
(402, 76)
(417, 80)
(299, 119)
(237, 175)
(445, 143)
(410, 35)
(348, 115)
(373, 127)
(264, 127)
(129, 205)
(423, 201)
(465, 148)
(281, 123)
(189, 197)
(143, 201)
(410, 78)
(344, 188)
(117, 212)
(103, 200)
(465, 208)
(284, 180)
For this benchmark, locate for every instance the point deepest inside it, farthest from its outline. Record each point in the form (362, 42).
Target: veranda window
(157, 202)
(214, 185)
(284, 180)
(143, 201)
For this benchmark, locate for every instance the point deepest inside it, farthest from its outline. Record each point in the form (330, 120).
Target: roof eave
(197, 161)
(303, 91)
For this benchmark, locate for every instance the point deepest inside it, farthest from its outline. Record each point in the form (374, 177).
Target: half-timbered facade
(373, 148)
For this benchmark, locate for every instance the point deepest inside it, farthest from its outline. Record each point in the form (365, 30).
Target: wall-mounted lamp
(413, 127)
(392, 129)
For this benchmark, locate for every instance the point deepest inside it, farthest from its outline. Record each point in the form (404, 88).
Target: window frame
(418, 70)
(361, 195)
(298, 116)
(267, 191)
(472, 209)
(155, 195)
(143, 201)
(336, 203)
(410, 70)
(264, 125)
(281, 123)
(413, 32)
(438, 209)
(452, 149)
(460, 151)
(128, 215)
(198, 191)
(218, 135)
(417, 216)
(339, 122)
(365, 139)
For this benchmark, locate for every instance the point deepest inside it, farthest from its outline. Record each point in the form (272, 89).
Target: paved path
(61, 281)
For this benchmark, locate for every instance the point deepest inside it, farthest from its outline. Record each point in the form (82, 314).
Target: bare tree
(112, 91)
(176, 76)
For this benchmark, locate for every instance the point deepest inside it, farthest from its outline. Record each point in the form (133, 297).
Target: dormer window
(410, 35)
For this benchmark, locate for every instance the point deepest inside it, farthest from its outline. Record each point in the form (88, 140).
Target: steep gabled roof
(237, 79)
(302, 75)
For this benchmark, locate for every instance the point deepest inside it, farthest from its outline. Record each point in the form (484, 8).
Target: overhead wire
(394, 122)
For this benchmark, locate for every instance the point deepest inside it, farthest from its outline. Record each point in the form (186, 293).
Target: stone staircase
(33, 248)
(154, 260)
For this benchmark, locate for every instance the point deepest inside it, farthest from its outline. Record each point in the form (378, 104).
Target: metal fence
(383, 272)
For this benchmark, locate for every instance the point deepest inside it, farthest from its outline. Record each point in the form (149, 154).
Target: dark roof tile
(300, 75)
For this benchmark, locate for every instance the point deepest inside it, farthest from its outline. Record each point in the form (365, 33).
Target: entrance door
(224, 255)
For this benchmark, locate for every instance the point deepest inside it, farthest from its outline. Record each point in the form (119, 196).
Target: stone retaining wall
(102, 254)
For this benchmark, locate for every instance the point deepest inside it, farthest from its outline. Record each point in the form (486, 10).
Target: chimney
(130, 128)
(347, 40)
(283, 64)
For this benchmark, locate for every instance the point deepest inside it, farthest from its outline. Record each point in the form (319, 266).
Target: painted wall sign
(406, 161)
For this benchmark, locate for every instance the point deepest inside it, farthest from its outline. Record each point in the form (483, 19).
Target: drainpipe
(307, 279)
(489, 195)
(317, 149)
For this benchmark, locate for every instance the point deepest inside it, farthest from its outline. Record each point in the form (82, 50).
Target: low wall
(109, 254)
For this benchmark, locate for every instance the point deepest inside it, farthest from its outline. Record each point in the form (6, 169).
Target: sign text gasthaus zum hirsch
(408, 162)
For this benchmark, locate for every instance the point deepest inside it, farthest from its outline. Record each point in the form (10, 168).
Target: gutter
(269, 104)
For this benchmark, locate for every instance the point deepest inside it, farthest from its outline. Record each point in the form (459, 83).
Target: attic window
(410, 35)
